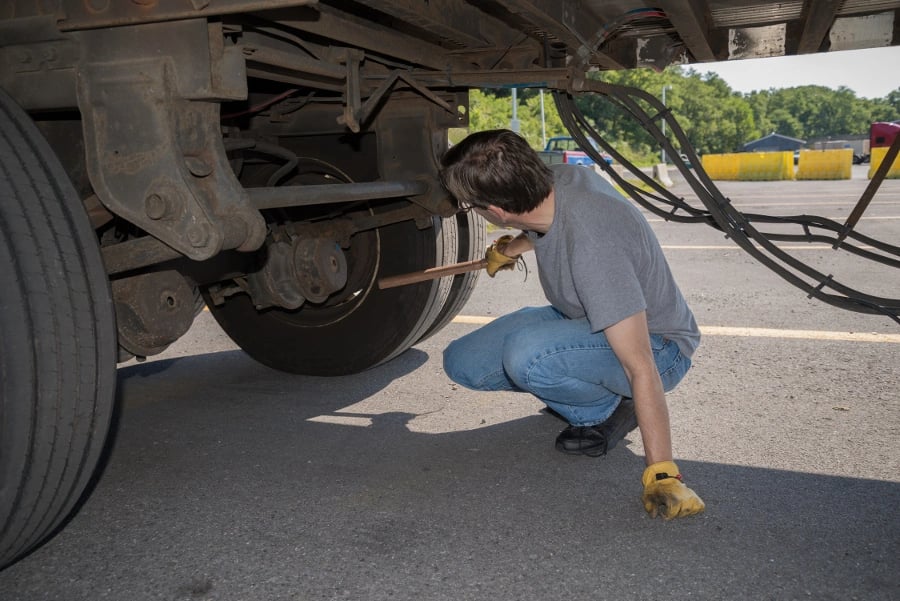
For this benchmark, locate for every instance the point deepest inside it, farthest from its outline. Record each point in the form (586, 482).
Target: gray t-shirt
(600, 259)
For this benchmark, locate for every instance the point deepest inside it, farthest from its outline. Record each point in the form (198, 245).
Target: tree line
(714, 117)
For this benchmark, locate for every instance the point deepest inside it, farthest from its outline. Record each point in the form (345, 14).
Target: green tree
(713, 116)
(759, 106)
(818, 112)
(488, 111)
(893, 99)
(784, 122)
(885, 109)
(531, 126)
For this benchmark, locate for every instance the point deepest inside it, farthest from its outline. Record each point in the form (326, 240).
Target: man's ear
(497, 212)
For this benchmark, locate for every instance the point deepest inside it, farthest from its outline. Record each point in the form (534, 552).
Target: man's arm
(664, 492)
(517, 246)
(630, 341)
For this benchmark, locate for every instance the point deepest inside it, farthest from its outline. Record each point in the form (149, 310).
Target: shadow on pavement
(226, 483)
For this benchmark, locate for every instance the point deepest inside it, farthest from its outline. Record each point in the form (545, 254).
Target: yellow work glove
(496, 260)
(666, 495)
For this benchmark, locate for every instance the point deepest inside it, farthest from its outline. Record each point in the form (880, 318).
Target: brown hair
(496, 167)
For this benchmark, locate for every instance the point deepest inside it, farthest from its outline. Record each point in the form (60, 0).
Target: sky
(871, 73)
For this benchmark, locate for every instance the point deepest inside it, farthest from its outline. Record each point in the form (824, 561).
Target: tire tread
(65, 367)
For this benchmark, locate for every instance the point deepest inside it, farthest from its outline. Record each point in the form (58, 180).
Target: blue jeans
(557, 359)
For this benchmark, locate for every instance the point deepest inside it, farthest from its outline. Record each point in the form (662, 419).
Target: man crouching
(618, 333)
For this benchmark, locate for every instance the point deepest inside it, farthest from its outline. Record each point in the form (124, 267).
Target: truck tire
(471, 245)
(58, 363)
(364, 326)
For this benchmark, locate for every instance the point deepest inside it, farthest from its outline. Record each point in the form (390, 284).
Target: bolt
(156, 206)
(97, 6)
(197, 235)
(168, 300)
(197, 166)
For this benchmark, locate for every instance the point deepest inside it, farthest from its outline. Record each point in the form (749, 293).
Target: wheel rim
(362, 326)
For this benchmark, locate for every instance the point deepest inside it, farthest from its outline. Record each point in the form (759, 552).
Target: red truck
(882, 134)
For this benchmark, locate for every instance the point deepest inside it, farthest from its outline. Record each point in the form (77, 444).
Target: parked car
(563, 149)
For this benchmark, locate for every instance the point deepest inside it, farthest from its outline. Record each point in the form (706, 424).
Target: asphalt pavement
(227, 481)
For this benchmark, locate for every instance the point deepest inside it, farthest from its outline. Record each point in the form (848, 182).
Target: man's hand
(496, 260)
(666, 495)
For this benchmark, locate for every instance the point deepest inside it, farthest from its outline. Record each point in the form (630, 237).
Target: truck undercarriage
(271, 160)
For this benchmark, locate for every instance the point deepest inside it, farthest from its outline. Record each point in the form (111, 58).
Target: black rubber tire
(366, 326)
(471, 230)
(58, 363)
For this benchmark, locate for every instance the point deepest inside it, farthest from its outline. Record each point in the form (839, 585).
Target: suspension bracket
(148, 96)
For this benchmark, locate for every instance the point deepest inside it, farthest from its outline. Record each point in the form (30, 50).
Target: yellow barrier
(721, 166)
(825, 164)
(749, 166)
(875, 160)
(766, 166)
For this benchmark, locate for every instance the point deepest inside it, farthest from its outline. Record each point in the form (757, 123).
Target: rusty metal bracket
(153, 144)
(84, 14)
(147, 251)
(410, 144)
(37, 63)
(352, 97)
(357, 113)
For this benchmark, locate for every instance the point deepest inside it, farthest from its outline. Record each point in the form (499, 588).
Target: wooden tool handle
(430, 274)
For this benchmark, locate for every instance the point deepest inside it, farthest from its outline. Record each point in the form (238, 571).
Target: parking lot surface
(229, 481)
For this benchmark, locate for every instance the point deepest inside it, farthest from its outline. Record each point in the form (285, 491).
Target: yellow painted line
(476, 319)
(738, 203)
(743, 332)
(736, 247)
(875, 218)
(838, 218)
(799, 334)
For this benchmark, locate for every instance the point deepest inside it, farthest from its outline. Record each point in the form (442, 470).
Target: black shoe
(595, 441)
